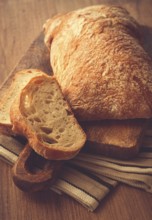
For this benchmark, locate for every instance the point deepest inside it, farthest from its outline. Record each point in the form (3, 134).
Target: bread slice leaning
(19, 81)
(43, 115)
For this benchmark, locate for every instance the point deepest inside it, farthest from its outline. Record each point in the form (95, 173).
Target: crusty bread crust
(98, 60)
(22, 126)
(121, 139)
(24, 178)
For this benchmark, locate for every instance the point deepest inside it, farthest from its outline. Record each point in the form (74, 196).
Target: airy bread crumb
(43, 115)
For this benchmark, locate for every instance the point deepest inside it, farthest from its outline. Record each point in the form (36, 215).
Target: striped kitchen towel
(87, 188)
(89, 178)
(136, 172)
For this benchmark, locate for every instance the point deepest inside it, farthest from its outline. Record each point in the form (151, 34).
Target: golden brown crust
(100, 64)
(22, 127)
(115, 138)
(41, 179)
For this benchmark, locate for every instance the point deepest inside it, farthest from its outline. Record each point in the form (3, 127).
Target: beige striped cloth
(89, 178)
(87, 189)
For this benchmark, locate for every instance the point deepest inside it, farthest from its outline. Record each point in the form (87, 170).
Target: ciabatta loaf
(43, 115)
(18, 83)
(98, 60)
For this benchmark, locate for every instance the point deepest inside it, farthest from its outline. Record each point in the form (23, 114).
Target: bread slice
(19, 81)
(43, 115)
(98, 59)
(115, 138)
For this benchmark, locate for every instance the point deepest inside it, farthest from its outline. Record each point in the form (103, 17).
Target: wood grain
(21, 22)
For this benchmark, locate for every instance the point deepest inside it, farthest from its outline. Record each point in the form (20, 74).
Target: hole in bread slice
(48, 139)
(46, 130)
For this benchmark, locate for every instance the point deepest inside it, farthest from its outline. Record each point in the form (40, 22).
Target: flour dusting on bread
(100, 64)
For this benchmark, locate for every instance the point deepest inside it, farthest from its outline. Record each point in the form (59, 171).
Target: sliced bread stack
(36, 109)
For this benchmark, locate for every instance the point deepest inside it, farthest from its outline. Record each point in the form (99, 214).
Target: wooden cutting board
(120, 139)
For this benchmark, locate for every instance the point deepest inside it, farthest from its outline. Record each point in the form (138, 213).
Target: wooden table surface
(20, 23)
